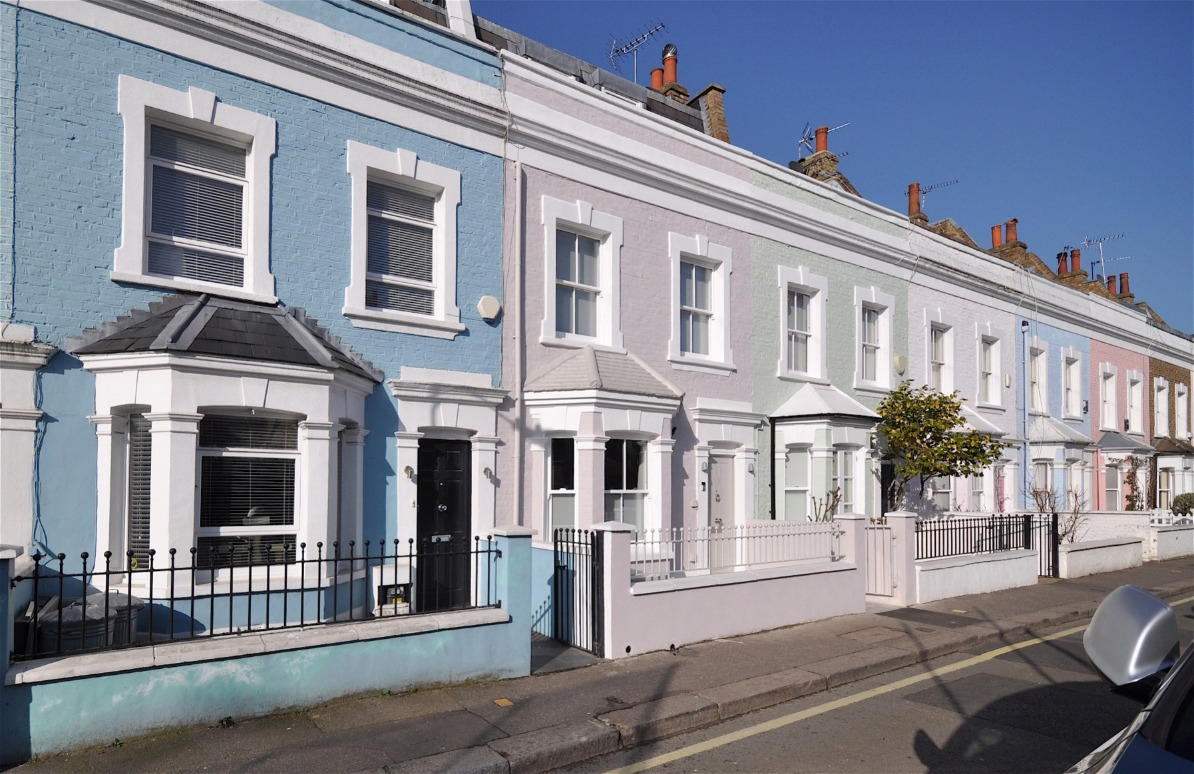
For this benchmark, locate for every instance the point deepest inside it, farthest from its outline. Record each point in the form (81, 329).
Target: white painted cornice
(265, 43)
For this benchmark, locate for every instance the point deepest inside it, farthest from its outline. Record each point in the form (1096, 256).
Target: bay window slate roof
(1115, 442)
(1168, 445)
(590, 369)
(219, 327)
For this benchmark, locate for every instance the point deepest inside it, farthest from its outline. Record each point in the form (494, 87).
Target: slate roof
(590, 369)
(1112, 441)
(820, 400)
(1169, 445)
(1046, 429)
(208, 325)
(978, 422)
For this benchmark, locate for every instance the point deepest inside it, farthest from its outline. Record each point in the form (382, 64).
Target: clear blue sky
(1074, 117)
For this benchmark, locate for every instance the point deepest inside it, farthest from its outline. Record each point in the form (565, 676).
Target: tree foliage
(925, 435)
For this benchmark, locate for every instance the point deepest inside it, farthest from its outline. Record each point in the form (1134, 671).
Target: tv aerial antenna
(927, 189)
(1088, 241)
(619, 49)
(809, 137)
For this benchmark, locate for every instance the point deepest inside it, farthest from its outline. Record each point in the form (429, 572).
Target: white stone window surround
(1160, 407)
(1037, 387)
(816, 287)
(450, 405)
(404, 169)
(1135, 403)
(175, 393)
(1181, 411)
(936, 319)
(884, 303)
(579, 217)
(1108, 399)
(592, 418)
(1071, 383)
(700, 251)
(985, 333)
(140, 103)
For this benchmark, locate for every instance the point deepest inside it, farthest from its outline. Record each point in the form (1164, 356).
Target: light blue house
(249, 313)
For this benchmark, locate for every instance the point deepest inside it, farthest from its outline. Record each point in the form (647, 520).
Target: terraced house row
(280, 275)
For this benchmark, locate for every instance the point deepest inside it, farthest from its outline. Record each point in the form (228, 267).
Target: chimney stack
(996, 237)
(822, 138)
(1111, 285)
(1123, 284)
(913, 199)
(657, 79)
(1062, 265)
(1075, 260)
(669, 63)
(1011, 231)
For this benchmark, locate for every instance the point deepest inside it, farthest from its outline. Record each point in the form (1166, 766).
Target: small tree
(1137, 498)
(824, 508)
(925, 436)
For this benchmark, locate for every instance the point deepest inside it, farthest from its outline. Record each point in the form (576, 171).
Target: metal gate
(577, 589)
(1047, 541)
(880, 561)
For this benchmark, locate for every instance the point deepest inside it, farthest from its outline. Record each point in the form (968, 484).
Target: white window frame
(1038, 377)
(1116, 493)
(845, 478)
(990, 382)
(978, 492)
(718, 259)
(1135, 403)
(1108, 398)
(1160, 407)
(553, 493)
(791, 487)
(1165, 482)
(801, 280)
(642, 494)
(402, 168)
(196, 111)
(935, 485)
(884, 304)
(579, 217)
(940, 370)
(1181, 411)
(1071, 384)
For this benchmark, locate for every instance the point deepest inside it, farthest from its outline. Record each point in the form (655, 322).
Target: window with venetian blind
(401, 259)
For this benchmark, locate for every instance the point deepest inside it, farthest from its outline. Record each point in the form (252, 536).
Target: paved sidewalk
(548, 721)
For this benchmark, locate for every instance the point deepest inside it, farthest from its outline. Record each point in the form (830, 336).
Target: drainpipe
(1024, 414)
(519, 348)
(771, 451)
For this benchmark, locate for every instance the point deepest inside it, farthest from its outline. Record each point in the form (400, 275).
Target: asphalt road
(1031, 705)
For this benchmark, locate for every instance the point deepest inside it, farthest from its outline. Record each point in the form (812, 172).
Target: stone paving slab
(556, 747)
(764, 691)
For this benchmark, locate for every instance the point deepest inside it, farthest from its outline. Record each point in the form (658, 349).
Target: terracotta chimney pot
(669, 64)
(913, 199)
(996, 236)
(1062, 266)
(657, 78)
(1111, 285)
(822, 138)
(1123, 284)
(1075, 260)
(1011, 231)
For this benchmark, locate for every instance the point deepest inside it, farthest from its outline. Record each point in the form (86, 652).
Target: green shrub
(1183, 504)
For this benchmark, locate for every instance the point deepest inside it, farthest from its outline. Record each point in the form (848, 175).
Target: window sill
(793, 376)
(397, 322)
(871, 388)
(990, 407)
(579, 343)
(685, 363)
(193, 286)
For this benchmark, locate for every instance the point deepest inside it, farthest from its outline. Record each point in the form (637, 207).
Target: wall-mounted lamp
(901, 364)
(1024, 325)
(1085, 407)
(488, 473)
(1007, 380)
(750, 467)
(410, 472)
(704, 466)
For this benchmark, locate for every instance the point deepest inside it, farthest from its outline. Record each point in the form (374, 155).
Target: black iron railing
(940, 538)
(144, 600)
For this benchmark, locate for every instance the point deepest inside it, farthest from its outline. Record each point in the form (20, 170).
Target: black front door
(442, 578)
